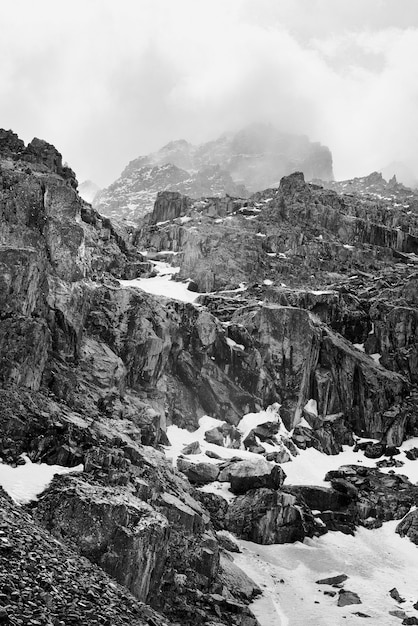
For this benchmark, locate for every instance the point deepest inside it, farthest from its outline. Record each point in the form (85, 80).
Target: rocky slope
(252, 159)
(93, 370)
(84, 371)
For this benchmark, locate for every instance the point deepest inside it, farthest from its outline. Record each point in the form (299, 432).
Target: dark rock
(375, 450)
(250, 474)
(321, 498)
(412, 454)
(410, 620)
(215, 435)
(408, 527)
(390, 463)
(394, 593)
(332, 580)
(266, 516)
(198, 473)
(216, 506)
(192, 286)
(192, 448)
(348, 597)
(392, 451)
(105, 526)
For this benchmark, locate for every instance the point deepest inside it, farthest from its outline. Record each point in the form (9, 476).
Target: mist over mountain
(240, 163)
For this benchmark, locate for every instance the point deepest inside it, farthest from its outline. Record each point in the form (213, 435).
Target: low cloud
(108, 81)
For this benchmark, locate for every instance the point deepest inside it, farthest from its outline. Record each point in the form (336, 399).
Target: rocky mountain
(133, 194)
(295, 332)
(252, 159)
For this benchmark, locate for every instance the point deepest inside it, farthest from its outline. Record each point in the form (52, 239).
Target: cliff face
(252, 159)
(93, 370)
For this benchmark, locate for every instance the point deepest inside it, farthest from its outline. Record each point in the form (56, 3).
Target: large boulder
(122, 534)
(408, 527)
(198, 473)
(266, 516)
(253, 474)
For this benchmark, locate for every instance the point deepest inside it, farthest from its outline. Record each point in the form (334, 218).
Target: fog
(106, 81)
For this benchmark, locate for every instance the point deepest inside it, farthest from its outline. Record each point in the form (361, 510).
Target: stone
(375, 450)
(235, 579)
(192, 448)
(266, 516)
(346, 598)
(227, 541)
(332, 580)
(408, 527)
(394, 593)
(198, 473)
(249, 474)
(412, 454)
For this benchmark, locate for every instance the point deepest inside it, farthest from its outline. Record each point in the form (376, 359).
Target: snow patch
(25, 483)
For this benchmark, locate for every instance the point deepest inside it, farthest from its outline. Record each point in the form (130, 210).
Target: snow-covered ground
(25, 482)
(163, 284)
(374, 560)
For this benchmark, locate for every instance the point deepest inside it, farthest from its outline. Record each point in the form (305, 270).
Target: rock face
(266, 516)
(122, 534)
(93, 369)
(87, 370)
(59, 584)
(409, 527)
(253, 159)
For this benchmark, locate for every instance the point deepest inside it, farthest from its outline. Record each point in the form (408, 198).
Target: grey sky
(108, 80)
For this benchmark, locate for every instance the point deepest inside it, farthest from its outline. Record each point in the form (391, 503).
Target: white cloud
(107, 81)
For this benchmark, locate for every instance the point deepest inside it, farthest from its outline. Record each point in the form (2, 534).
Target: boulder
(253, 474)
(119, 532)
(346, 598)
(333, 580)
(408, 527)
(198, 473)
(266, 516)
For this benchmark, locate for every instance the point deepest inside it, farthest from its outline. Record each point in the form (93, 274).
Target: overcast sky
(108, 80)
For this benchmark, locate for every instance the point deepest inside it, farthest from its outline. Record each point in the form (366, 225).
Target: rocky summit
(236, 164)
(184, 368)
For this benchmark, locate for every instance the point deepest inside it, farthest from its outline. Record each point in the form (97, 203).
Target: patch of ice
(267, 282)
(261, 235)
(376, 357)
(359, 346)
(25, 482)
